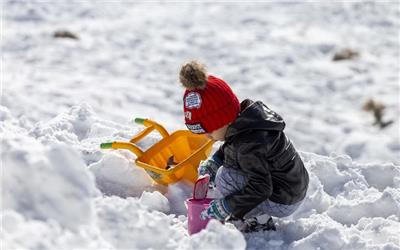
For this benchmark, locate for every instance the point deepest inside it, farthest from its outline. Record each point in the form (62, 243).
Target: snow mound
(129, 224)
(19, 232)
(118, 175)
(215, 237)
(46, 182)
(52, 197)
(70, 127)
(155, 201)
(344, 208)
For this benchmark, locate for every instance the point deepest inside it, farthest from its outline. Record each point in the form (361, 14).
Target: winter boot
(259, 223)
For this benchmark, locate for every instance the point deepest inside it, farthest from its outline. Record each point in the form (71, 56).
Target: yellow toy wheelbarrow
(171, 159)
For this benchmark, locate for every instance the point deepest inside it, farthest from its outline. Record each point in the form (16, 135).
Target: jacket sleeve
(218, 156)
(259, 186)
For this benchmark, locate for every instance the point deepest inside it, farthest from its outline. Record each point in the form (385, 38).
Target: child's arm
(218, 156)
(211, 165)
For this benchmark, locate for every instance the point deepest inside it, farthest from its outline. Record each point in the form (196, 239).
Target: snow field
(61, 98)
(346, 206)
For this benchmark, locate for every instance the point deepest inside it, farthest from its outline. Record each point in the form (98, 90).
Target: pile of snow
(50, 199)
(123, 180)
(46, 182)
(344, 209)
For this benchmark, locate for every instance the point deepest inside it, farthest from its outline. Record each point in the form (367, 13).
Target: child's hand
(209, 167)
(218, 209)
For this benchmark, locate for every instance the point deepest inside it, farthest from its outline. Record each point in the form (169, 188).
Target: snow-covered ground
(62, 97)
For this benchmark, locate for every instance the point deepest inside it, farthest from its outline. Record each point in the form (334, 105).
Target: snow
(30, 169)
(155, 201)
(216, 234)
(61, 98)
(123, 180)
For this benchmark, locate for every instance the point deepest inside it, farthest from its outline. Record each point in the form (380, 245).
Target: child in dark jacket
(257, 169)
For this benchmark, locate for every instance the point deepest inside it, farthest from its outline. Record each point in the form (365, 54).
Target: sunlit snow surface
(61, 98)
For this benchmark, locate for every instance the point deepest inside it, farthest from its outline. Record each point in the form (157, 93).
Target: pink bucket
(194, 208)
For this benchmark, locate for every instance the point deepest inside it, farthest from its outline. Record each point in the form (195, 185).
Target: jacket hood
(255, 116)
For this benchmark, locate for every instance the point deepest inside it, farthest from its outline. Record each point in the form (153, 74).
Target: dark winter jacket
(256, 144)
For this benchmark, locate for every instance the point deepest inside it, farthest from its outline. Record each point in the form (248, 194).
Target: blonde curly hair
(193, 75)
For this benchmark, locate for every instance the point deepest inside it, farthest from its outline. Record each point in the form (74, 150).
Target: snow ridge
(49, 192)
